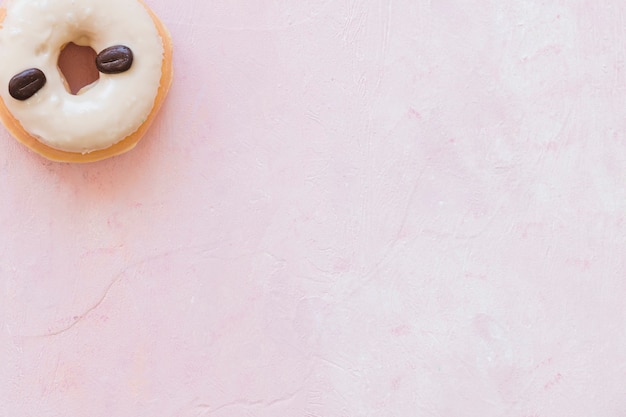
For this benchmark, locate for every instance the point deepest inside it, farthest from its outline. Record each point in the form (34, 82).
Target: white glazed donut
(132, 45)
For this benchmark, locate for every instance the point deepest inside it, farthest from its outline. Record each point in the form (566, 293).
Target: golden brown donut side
(125, 145)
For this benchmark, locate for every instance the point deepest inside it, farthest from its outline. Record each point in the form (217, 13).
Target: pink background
(346, 208)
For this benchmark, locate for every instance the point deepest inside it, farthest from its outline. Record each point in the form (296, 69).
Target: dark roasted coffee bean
(114, 59)
(25, 84)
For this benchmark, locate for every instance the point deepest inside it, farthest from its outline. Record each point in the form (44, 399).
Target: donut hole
(77, 65)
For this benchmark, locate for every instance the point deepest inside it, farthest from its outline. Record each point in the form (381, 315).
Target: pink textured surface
(371, 208)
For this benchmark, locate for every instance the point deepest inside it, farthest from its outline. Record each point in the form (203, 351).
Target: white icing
(33, 35)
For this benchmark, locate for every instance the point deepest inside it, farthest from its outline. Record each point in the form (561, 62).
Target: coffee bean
(114, 59)
(25, 84)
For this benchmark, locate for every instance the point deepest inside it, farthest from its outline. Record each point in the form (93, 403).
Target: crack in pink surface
(81, 317)
(199, 249)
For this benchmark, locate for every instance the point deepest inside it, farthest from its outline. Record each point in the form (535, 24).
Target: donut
(105, 118)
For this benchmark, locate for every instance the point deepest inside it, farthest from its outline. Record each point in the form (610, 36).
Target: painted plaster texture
(346, 208)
